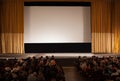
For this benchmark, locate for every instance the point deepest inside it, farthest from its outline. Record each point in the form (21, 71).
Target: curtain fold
(12, 42)
(0, 28)
(116, 26)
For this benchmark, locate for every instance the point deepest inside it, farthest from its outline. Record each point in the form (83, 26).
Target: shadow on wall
(87, 26)
(27, 22)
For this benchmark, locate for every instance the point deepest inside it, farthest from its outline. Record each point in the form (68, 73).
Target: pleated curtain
(11, 25)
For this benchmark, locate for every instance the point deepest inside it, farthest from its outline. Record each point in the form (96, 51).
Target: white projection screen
(57, 24)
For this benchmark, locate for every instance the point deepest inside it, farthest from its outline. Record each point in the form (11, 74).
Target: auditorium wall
(105, 25)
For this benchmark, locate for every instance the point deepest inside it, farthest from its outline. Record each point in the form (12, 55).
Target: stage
(63, 59)
(57, 55)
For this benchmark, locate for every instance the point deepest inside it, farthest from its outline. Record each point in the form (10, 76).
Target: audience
(99, 68)
(46, 69)
(31, 69)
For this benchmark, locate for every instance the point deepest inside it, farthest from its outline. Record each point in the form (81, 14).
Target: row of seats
(99, 68)
(31, 69)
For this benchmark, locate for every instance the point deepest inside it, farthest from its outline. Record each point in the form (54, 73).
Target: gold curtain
(116, 26)
(101, 26)
(0, 29)
(11, 23)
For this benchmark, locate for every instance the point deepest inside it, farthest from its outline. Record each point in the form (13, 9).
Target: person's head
(117, 78)
(34, 73)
